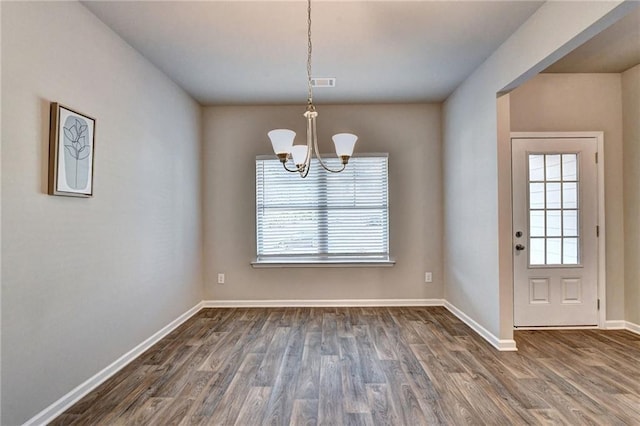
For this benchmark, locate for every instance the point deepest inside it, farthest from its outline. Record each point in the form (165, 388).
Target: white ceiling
(254, 52)
(614, 50)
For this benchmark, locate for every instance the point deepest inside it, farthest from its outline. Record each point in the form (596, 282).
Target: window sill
(324, 262)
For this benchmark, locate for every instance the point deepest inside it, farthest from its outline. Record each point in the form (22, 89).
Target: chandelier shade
(299, 154)
(344, 142)
(282, 139)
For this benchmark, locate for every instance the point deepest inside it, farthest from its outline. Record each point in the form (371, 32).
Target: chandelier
(282, 139)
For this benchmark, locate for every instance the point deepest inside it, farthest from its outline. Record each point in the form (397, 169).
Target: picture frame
(71, 152)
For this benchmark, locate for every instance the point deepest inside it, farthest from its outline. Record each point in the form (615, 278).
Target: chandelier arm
(310, 119)
(333, 171)
(304, 170)
(296, 170)
(317, 151)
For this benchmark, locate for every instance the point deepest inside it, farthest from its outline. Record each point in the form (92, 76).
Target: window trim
(324, 260)
(319, 262)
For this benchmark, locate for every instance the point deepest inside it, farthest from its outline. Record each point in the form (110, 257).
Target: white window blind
(326, 216)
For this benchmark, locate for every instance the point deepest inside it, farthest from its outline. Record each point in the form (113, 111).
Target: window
(326, 217)
(554, 209)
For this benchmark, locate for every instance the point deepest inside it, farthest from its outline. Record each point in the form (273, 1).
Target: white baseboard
(635, 328)
(499, 344)
(622, 325)
(62, 404)
(615, 325)
(301, 303)
(559, 327)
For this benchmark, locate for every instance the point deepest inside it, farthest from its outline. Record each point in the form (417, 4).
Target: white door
(555, 243)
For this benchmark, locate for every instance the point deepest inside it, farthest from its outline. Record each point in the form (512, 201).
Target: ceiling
(254, 52)
(614, 50)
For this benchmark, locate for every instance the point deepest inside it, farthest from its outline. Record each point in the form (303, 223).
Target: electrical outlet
(428, 277)
(220, 278)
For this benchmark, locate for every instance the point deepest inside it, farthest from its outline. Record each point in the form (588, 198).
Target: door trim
(602, 253)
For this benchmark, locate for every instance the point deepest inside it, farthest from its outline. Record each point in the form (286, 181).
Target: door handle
(519, 247)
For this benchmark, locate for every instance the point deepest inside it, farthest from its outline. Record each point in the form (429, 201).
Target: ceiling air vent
(323, 82)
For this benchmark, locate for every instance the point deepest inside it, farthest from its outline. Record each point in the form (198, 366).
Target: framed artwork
(71, 152)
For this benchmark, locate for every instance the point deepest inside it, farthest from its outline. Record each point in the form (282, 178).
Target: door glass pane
(553, 167)
(570, 195)
(569, 167)
(536, 167)
(554, 236)
(536, 196)
(536, 225)
(553, 223)
(554, 251)
(570, 223)
(570, 251)
(553, 196)
(537, 251)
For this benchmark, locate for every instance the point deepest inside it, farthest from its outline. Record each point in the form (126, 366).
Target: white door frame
(602, 264)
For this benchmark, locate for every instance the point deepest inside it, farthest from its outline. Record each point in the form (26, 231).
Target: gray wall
(473, 242)
(233, 136)
(584, 102)
(86, 280)
(631, 129)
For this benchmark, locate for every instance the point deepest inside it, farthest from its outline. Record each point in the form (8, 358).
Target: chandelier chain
(309, 50)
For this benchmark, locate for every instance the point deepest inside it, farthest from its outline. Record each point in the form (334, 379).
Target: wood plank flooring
(367, 366)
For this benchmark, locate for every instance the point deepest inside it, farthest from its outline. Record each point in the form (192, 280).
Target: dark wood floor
(397, 366)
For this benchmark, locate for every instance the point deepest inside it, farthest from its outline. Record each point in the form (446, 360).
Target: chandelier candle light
(282, 139)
